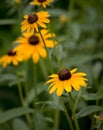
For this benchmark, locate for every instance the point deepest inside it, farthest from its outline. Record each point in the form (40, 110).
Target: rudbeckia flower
(34, 20)
(99, 117)
(12, 57)
(31, 45)
(44, 3)
(67, 80)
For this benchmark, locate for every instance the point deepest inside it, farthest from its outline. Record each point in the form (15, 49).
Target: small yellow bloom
(31, 45)
(99, 117)
(17, 2)
(63, 19)
(12, 57)
(67, 80)
(44, 3)
(34, 21)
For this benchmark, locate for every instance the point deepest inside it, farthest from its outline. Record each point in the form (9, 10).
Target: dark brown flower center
(41, 1)
(64, 74)
(32, 18)
(33, 40)
(11, 53)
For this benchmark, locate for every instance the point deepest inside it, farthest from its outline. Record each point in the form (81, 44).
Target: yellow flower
(99, 117)
(34, 20)
(11, 57)
(44, 3)
(66, 79)
(31, 45)
(63, 19)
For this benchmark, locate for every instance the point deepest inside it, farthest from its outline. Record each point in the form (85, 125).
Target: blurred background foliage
(78, 25)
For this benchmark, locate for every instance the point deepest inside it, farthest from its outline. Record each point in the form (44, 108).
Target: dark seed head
(41, 1)
(64, 74)
(32, 18)
(11, 53)
(33, 40)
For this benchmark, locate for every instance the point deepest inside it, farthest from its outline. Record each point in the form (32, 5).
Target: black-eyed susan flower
(12, 57)
(34, 20)
(31, 45)
(44, 3)
(66, 79)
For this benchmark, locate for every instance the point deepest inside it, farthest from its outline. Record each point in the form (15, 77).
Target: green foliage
(80, 45)
(88, 110)
(19, 124)
(15, 112)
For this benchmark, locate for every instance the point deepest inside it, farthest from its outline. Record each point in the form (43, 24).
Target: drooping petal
(35, 57)
(54, 87)
(42, 52)
(60, 89)
(67, 86)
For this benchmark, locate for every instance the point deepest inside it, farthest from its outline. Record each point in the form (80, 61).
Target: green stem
(56, 123)
(35, 82)
(76, 102)
(92, 123)
(73, 112)
(49, 62)
(67, 116)
(26, 89)
(93, 120)
(22, 101)
(70, 8)
(20, 93)
(44, 69)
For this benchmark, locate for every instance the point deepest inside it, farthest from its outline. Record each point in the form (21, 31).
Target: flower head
(99, 117)
(31, 45)
(11, 57)
(34, 20)
(66, 79)
(63, 19)
(44, 3)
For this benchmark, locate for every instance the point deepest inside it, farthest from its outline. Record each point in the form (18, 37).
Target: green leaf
(15, 112)
(7, 21)
(7, 77)
(58, 52)
(88, 110)
(19, 124)
(93, 96)
(83, 58)
(39, 121)
(31, 93)
(56, 103)
(57, 12)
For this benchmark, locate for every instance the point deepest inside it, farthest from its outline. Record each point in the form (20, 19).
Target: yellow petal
(42, 24)
(50, 43)
(60, 89)
(79, 74)
(26, 16)
(52, 84)
(73, 70)
(67, 86)
(14, 61)
(50, 80)
(42, 52)
(53, 75)
(54, 87)
(76, 86)
(35, 57)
